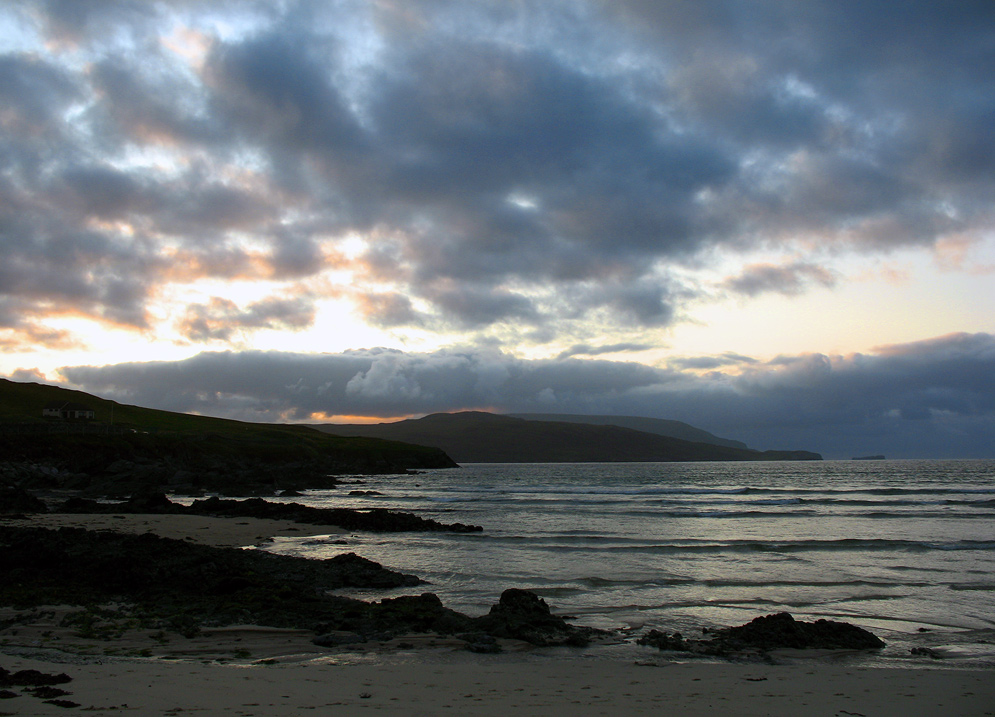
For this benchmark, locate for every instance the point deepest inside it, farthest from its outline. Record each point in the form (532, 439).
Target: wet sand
(484, 687)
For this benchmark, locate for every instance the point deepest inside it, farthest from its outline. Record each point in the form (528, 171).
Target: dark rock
(18, 500)
(374, 520)
(767, 633)
(663, 641)
(359, 571)
(926, 652)
(48, 693)
(418, 613)
(179, 586)
(180, 583)
(31, 678)
(151, 502)
(782, 630)
(337, 639)
(290, 494)
(523, 615)
(68, 704)
(481, 643)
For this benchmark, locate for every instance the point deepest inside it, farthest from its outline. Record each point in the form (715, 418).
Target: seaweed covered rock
(377, 520)
(664, 641)
(523, 615)
(171, 577)
(359, 571)
(770, 632)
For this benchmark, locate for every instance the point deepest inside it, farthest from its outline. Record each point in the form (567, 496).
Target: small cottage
(68, 410)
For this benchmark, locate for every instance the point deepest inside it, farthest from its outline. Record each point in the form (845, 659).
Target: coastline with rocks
(180, 593)
(138, 620)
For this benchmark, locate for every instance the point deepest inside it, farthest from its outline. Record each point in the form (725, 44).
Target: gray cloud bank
(537, 163)
(927, 399)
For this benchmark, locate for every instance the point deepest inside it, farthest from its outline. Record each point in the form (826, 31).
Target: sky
(772, 220)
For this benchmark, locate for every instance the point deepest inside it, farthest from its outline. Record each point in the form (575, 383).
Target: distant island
(482, 437)
(868, 458)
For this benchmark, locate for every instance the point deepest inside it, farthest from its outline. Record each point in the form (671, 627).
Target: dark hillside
(479, 437)
(659, 426)
(127, 448)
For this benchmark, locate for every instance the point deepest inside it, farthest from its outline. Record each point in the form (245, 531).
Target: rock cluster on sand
(770, 632)
(37, 684)
(523, 615)
(375, 519)
(519, 615)
(178, 586)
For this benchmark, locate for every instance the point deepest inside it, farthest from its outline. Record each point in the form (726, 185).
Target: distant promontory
(481, 437)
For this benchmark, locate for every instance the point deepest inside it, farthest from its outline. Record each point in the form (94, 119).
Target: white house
(68, 409)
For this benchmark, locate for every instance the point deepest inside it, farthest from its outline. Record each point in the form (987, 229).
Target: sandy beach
(252, 670)
(489, 687)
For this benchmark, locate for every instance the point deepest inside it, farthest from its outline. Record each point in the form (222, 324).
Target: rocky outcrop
(391, 617)
(179, 586)
(519, 615)
(770, 632)
(180, 582)
(375, 520)
(17, 500)
(523, 615)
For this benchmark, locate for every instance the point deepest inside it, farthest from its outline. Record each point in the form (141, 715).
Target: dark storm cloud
(33, 92)
(470, 306)
(277, 89)
(931, 398)
(137, 104)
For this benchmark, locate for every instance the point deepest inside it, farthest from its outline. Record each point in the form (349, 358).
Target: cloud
(712, 362)
(555, 165)
(33, 92)
(221, 319)
(789, 279)
(588, 350)
(28, 375)
(926, 399)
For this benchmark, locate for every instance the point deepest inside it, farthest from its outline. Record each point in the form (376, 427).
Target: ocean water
(903, 548)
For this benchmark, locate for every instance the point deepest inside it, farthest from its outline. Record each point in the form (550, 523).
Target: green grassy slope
(154, 431)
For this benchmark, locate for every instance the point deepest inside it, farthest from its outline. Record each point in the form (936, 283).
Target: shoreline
(252, 670)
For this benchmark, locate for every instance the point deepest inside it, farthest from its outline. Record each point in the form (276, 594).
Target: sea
(904, 548)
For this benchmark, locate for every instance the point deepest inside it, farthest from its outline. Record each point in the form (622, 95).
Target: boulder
(523, 615)
(770, 632)
(18, 500)
(355, 570)
(782, 630)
